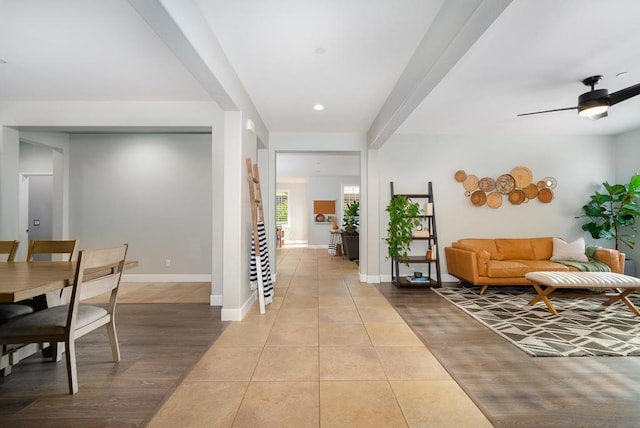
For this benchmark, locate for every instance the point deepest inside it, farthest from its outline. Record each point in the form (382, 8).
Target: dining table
(25, 280)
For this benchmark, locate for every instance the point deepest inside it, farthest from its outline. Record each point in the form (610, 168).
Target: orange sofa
(486, 262)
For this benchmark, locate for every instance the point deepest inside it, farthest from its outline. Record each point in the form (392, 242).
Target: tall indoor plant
(402, 221)
(613, 214)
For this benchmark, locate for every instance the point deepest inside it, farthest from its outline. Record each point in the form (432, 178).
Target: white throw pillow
(574, 251)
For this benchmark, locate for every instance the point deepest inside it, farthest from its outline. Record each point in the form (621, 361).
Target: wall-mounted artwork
(323, 211)
(518, 187)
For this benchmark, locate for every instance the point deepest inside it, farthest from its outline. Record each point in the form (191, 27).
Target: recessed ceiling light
(2, 61)
(318, 107)
(320, 51)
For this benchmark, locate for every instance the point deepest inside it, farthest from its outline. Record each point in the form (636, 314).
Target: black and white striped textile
(264, 262)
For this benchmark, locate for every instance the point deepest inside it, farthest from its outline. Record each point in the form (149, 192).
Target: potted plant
(402, 221)
(351, 237)
(613, 214)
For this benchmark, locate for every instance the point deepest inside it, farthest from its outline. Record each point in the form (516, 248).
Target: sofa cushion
(512, 249)
(505, 269)
(544, 265)
(574, 251)
(542, 248)
(480, 244)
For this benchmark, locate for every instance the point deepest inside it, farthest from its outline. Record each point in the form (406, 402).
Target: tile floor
(330, 352)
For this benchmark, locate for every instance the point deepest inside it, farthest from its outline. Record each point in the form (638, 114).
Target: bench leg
(622, 296)
(544, 296)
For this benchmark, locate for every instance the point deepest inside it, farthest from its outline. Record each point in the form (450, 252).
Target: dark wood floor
(159, 343)
(512, 388)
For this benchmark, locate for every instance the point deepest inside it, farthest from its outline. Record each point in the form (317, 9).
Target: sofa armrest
(462, 264)
(612, 258)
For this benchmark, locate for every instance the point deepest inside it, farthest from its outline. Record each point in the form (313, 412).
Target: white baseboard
(181, 277)
(215, 300)
(319, 247)
(237, 314)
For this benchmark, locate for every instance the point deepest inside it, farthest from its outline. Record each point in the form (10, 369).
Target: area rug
(584, 328)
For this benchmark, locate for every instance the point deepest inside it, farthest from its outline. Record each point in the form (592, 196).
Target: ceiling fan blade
(625, 94)
(548, 111)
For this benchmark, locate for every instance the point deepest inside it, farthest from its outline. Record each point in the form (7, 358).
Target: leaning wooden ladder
(257, 215)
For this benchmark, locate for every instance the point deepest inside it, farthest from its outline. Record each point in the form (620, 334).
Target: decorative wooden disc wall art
(517, 186)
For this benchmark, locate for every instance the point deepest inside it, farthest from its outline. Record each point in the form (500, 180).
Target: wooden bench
(621, 286)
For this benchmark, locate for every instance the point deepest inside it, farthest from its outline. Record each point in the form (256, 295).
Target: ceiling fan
(595, 103)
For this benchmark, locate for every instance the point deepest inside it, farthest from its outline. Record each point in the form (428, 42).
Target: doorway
(36, 209)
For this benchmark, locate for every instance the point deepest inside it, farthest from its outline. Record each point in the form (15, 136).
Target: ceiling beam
(181, 26)
(454, 30)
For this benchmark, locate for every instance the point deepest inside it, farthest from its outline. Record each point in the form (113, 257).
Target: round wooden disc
(522, 175)
(487, 184)
(516, 196)
(531, 191)
(470, 183)
(545, 195)
(460, 176)
(505, 183)
(478, 198)
(494, 200)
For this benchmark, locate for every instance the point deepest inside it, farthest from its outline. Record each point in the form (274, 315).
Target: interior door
(40, 209)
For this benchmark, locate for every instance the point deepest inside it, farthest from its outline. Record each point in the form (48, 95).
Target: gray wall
(152, 191)
(325, 188)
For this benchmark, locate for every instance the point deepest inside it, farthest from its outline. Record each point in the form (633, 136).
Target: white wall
(627, 164)
(152, 191)
(325, 188)
(579, 163)
(298, 228)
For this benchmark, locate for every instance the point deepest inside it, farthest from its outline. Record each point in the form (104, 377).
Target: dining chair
(9, 248)
(38, 247)
(97, 272)
(11, 310)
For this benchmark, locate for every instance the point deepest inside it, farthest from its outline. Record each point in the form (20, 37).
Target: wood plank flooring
(512, 388)
(159, 343)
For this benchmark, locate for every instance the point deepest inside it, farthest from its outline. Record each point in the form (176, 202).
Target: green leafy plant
(613, 214)
(351, 219)
(402, 221)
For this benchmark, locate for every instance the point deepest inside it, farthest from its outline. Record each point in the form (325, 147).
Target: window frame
(288, 198)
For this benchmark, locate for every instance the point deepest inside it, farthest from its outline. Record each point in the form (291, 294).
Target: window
(350, 193)
(282, 207)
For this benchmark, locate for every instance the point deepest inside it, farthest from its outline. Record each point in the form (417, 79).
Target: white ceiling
(533, 57)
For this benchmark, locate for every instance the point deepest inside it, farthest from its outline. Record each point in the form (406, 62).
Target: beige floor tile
(437, 404)
(226, 364)
(240, 334)
(356, 404)
(307, 316)
(392, 335)
(188, 408)
(363, 290)
(311, 291)
(299, 302)
(287, 334)
(339, 315)
(378, 314)
(334, 290)
(410, 363)
(350, 363)
(371, 301)
(280, 404)
(336, 302)
(287, 364)
(343, 334)
(255, 317)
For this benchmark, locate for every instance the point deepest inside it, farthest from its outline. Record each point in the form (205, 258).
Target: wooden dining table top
(24, 280)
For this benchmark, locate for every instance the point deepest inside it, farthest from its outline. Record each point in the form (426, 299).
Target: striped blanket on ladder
(264, 262)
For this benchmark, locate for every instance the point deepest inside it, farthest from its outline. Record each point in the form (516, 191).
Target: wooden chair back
(9, 248)
(51, 247)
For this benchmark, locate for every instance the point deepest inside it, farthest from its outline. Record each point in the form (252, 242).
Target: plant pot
(351, 245)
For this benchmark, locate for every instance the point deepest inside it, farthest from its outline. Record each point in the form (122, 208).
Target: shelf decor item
(402, 221)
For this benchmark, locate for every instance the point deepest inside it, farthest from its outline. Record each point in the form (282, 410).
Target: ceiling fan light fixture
(593, 103)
